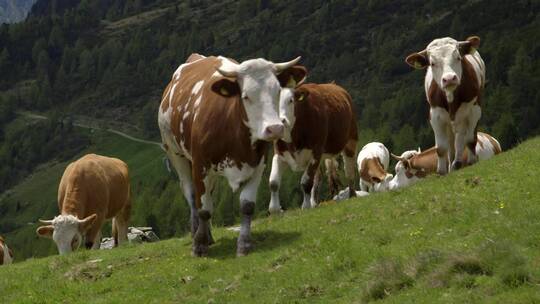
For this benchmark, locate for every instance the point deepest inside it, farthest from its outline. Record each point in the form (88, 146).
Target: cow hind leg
(349, 163)
(202, 237)
(247, 208)
(332, 175)
(307, 182)
(315, 189)
(182, 167)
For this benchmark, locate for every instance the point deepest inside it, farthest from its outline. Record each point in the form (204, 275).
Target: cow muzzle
(274, 132)
(450, 81)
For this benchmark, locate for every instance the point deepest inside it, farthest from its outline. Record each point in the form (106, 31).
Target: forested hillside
(109, 60)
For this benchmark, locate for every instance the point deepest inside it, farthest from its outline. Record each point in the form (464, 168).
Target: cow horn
(229, 70)
(280, 67)
(46, 222)
(399, 158)
(419, 151)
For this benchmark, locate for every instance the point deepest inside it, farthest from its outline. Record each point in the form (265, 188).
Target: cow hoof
(456, 165)
(243, 250)
(273, 211)
(199, 250)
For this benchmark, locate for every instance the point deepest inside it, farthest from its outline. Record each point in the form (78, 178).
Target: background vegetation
(109, 60)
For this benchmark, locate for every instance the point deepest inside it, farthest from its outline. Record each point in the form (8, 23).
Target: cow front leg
(459, 148)
(439, 120)
(274, 183)
(247, 208)
(307, 181)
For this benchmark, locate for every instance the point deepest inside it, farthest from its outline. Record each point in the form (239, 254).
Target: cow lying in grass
(6, 255)
(414, 165)
(93, 188)
(372, 163)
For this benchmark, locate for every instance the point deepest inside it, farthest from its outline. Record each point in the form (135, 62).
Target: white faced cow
(373, 161)
(415, 165)
(454, 82)
(92, 189)
(6, 255)
(217, 117)
(319, 124)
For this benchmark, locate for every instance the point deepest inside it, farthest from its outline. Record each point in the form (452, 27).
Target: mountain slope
(473, 236)
(14, 10)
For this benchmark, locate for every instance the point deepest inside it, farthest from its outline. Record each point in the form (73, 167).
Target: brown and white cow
(320, 123)
(373, 161)
(413, 165)
(93, 189)
(218, 117)
(454, 82)
(6, 255)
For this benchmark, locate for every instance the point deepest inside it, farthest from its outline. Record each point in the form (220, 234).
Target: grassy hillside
(470, 237)
(35, 197)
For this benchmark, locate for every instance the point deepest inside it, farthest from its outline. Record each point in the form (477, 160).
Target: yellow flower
(501, 205)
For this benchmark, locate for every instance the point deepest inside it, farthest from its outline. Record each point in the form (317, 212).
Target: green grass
(470, 237)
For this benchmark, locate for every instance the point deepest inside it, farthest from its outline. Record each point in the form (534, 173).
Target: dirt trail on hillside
(82, 125)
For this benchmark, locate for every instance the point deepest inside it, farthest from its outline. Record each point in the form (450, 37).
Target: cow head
(257, 83)
(406, 172)
(443, 59)
(291, 96)
(66, 230)
(382, 183)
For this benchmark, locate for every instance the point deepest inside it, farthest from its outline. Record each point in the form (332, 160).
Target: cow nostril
(454, 77)
(284, 121)
(275, 130)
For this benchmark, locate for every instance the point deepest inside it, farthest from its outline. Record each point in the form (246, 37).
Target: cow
(320, 123)
(218, 118)
(92, 189)
(373, 161)
(6, 255)
(453, 84)
(413, 165)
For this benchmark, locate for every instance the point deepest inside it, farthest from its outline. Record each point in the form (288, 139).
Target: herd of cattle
(218, 117)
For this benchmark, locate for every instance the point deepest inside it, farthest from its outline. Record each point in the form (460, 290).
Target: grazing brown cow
(454, 83)
(319, 124)
(93, 188)
(414, 165)
(217, 117)
(6, 255)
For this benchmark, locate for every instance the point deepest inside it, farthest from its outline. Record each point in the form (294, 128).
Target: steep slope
(472, 236)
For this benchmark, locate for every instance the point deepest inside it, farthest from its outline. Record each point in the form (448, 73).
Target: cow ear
(226, 87)
(87, 222)
(475, 41)
(292, 77)
(301, 95)
(45, 231)
(418, 60)
(470, 45)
